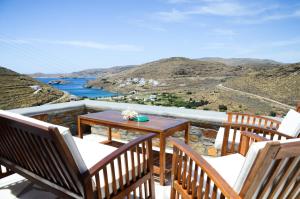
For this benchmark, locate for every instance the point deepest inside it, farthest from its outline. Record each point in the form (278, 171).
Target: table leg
(162, 159)
(187, 133)
(79, 128)
(109, 133)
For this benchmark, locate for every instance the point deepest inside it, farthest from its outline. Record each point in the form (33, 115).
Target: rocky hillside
(22, 91)
(281, 84)
(198, 81)
(171, 73)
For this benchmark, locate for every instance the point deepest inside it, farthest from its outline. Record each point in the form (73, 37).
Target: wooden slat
(126, 168)
(189, 176)
(98, 186)
(200, 186)
(133, 173)
(289, 166)
(138, 161)
(106, 185)
(194, 183)
(120, 173)
(184, 171)
(113, 175)
(207, 188)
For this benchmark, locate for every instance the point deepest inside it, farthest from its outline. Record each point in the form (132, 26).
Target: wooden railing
(187, 166)
(129, 168)
(253, 120)
(235, 129)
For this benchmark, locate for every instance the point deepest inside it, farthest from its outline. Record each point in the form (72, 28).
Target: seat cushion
(92, 152)
(65, 132)
(290, 124)
(228, 167)
(220, 136)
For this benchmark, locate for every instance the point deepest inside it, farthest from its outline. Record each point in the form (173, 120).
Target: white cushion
(220, 136)
(290, 124)
(65, 132)
(228, 167)
(91, 151)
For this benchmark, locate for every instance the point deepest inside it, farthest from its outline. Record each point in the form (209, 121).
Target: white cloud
(14, 41)
(217, 8)
(172, 16)
(77, 43)
(271, 17)
(97, 45)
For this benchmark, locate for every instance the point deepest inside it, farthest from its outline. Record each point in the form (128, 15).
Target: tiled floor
(15, 186)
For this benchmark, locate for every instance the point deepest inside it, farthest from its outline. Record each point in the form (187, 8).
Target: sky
(60, 36)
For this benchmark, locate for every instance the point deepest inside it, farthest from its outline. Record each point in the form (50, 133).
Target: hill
(248, 62)
(95, 72)
(170, 73)
(22, 91)
(281, 84)
(195, 82)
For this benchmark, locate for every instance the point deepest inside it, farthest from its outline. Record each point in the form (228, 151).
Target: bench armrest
(229, 148)
(135, 157)
(246, 139)
(185, 178)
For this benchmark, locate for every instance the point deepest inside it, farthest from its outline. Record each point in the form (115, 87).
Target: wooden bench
(265, 169)
(228, 136)
(49, 156)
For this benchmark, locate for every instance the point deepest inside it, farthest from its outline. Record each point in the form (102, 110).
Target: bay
(75, 86)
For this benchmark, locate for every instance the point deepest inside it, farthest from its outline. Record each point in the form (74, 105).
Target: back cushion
(290, 124)
(250, 159)
(65, 132)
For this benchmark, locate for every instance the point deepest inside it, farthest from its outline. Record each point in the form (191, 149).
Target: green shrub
(272, 113)
(222, 108)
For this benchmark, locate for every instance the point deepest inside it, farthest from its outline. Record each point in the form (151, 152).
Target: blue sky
(69, 35)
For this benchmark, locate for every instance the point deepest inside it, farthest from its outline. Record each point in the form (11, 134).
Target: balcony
(65, 114)
(204, 125)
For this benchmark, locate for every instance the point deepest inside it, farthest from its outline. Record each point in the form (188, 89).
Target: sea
(76, 86)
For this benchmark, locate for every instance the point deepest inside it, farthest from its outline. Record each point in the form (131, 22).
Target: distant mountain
(171, 70)
(199, 79)
(19, 90)
(96, 72)
(250, 62)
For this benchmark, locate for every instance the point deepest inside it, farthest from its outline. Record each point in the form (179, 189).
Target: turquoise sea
(75, 86)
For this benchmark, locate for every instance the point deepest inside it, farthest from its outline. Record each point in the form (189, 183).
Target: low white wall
(209, 117)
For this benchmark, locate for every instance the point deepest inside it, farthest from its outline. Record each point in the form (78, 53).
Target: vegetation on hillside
(22, 91)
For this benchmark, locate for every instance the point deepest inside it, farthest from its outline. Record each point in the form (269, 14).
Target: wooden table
(162, 126)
